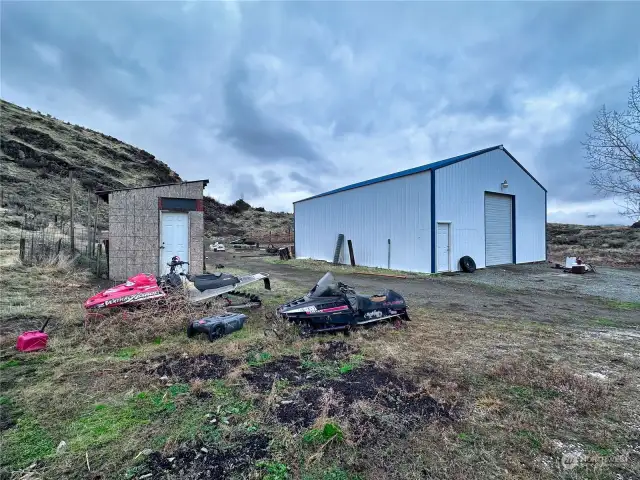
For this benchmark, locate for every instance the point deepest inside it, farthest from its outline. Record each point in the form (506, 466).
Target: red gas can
(32, 341)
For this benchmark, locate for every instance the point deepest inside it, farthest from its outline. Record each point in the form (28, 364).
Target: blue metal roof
(423, 168)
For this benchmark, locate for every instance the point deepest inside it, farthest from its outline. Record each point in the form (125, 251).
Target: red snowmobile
(199, 288)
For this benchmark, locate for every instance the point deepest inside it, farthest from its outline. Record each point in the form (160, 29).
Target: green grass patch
(157, 340)
(323, 369)
(529, 394)
(127, 353)
(531, 438)
(9, 364)
(194, 425)
(107, 422)
(469, 438)
(255, 359)
(273, 470)
(332, 369)
(605, 452)
(25, 443)
(618, 305)
(330, 431)
(605, 322)
(353, 363)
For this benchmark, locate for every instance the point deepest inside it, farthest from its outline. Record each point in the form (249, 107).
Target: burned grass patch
(186, 368)
(301, 410)
(199, 461)
(287, 368)
(370, 398)
(335, 350)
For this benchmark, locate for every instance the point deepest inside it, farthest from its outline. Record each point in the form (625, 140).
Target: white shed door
(443, 247)
(174, 238)
(497, 229)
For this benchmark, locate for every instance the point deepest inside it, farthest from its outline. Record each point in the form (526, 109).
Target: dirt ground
(533, 292)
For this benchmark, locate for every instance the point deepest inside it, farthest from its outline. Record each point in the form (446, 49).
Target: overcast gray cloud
(323, 94)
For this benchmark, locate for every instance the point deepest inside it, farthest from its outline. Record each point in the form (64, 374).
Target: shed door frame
(161, 251)
(450, 246)
(512, 220)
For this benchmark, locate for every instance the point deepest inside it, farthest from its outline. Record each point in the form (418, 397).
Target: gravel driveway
(519, 292)
(611, 283)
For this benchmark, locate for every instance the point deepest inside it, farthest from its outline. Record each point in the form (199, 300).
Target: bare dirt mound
(185, 368)
(210, 462)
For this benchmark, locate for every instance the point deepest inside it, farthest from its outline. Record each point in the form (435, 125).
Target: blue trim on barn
(433, 222)
(513, 228)
(546, 250)
(430, 166)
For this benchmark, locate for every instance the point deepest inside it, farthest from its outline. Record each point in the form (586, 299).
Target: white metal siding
(497, 229)
(459, 197)
(397, 209)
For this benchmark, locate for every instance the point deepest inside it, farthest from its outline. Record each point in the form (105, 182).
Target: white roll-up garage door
(498, 229)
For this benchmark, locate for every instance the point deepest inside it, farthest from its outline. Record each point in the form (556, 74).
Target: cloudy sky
(277, 101)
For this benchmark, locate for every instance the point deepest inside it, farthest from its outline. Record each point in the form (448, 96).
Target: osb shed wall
(134, 229)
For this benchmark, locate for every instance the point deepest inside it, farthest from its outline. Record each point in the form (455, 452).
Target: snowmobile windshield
(324, 287)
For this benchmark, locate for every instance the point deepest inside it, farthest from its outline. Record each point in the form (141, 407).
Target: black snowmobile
(332, 306)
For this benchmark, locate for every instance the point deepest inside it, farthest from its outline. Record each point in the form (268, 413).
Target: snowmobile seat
(213, 280)
(371, 302)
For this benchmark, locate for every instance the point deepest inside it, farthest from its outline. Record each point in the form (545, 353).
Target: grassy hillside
(37, 152)
(614, 246)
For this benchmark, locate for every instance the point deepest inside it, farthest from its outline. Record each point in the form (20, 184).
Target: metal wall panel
(397, 209)
(460, 190)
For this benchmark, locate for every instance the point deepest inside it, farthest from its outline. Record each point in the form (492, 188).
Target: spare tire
(467, 264)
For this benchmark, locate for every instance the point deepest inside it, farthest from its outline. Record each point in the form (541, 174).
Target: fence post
(89, 223)
(71, 229)
(59, 246)
(22, 245)
(95, 226)
(31, 253)
(98, 259)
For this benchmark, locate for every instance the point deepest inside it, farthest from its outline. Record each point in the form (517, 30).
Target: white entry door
(444, 247)
(174, 238)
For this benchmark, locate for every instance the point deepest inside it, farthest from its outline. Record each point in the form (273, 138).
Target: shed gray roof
(104, 194)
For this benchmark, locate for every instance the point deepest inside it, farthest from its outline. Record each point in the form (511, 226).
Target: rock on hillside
(226, 222)
(38, 150)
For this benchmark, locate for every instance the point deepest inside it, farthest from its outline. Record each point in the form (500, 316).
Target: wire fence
(47, 238)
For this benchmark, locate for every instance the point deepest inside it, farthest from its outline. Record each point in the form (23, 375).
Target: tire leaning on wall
(467, 264)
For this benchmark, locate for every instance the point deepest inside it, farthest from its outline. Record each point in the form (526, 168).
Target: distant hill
(614, 246)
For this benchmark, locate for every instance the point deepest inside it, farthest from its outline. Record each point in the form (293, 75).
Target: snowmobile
(332, 306)
(199, 288)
